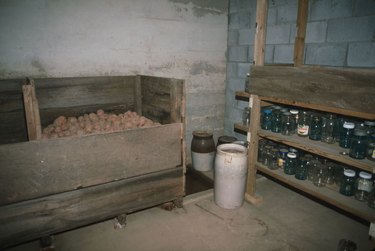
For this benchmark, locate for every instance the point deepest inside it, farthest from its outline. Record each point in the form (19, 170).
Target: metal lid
(348, 125)
(291, 155)
(370, 123)
(365, 175)
(293, 111)
(267, 111)
(349, 172)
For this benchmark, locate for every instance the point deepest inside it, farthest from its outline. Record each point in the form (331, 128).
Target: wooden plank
(345, 89)
(346, 203)
(253, 144)
(240, 126)
(299, 44)
(56, 165)
(260, 32)
(176, 97)
(31, 111)
(330, 151)
(138, 95)
(40, 217)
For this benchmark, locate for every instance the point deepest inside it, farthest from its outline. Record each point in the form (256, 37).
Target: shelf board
(242, 95)
(330, 151)
(327, 194)
(241, 127)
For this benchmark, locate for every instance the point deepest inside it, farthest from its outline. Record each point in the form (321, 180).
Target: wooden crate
(48, 186)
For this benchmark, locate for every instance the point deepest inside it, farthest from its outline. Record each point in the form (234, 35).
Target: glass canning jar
(303, 124)
(315, 127)
(266, 119)
(288, 126)
(282, 157)
(320, 175)
(290, 164)
(371, 148)
(302, 168)
(358, 145)
(273, 155)
(363, 186)
(348, 183)
(346, 134)
(276, 121)
(369, 127)
(328, 129)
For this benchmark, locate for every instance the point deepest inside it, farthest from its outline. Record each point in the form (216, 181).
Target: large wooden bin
(49, 186)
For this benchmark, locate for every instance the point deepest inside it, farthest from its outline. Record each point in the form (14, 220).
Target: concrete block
(354, 29)
(316, 32)
(326, 54)
(287, 14)
(237, 53)
(245, 19)
(234, 21)
(250, 54)
(293, 33)
(278, 34)
(328, 9)
(235, 84)
(284, 54)
(245, 5)
(364, 8)
(233, 6)
(231, 70)
(361, 54)
(246, 36)
(280, 2)
(243, 69)
(272, 16)
(269, 53)
(232, 37)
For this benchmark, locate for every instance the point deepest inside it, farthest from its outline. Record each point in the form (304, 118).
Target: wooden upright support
(260, 32)
(299, 44)
(34, 129)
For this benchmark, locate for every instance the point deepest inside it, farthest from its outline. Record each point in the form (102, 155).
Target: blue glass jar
(266, 119)
(290, 164)
(347, 186)
(358, 146)
(276, 121)
(288, 125)
(282, 157)
(346, 134)
(315, 128)
(301, 169)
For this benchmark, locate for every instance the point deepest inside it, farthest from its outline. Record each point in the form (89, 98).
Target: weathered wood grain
(352, 90)
(260, 32)
(299, 44)
(39, 217)
(39, 168)
(34, 130)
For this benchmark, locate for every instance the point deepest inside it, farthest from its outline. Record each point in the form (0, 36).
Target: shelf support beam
(299, 44)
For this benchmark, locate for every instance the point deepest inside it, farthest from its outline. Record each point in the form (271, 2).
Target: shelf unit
(266, 82)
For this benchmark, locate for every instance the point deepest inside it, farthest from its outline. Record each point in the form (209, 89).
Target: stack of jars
(320, 171)
(356, 136)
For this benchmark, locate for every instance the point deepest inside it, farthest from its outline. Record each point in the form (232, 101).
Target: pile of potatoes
(95, 123)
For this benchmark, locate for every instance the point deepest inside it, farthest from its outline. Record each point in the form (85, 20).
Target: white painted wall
(177, 38)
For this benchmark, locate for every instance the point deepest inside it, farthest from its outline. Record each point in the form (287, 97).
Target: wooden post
(299, 44)
(260, 33)
(250, 196)
(34, 129)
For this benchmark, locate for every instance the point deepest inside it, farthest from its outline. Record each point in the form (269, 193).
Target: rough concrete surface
(284, 221)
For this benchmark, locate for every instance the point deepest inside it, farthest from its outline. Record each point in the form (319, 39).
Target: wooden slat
(260, 32)
(39, 217)
(253, 144)
(138, 95)
(299, 44)
(31, 111)
(52, 166)
(331, 151)
(346, 203)
(327, 88)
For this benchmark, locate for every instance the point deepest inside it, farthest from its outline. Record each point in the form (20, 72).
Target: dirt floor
(284, 221)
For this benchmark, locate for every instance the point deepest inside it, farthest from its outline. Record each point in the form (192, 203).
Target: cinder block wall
(339, 33)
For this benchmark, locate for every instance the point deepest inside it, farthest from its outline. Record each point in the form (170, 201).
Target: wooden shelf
(241, 127)
(328, 194)
(330, 151)
(242, 95)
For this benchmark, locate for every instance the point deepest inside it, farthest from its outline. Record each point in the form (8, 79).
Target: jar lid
(293, 150)
(276, 107)
(349, 172)
(291, 155)
(365, 175)
(267, 111)
(293, 111)
(348, 125)
(370, 123)
(287, 113)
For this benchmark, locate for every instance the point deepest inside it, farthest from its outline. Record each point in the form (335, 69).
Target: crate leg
(47, 243)
(120, 221)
